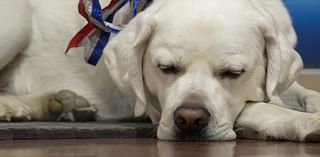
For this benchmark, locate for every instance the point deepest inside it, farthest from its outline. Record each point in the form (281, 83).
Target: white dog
(201, 69)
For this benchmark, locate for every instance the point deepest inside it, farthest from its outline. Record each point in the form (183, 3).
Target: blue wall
(306, 20)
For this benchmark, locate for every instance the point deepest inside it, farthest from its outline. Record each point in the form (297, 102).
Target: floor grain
(153, 148)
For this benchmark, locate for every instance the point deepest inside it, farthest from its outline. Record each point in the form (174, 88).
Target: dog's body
(222, 76)
(47, 39)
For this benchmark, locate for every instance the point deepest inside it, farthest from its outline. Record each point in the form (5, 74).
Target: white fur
(202, 38)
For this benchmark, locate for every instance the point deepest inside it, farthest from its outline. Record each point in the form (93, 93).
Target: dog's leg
(302, 99)
(268, 121)
(64, 105)
(16, 29)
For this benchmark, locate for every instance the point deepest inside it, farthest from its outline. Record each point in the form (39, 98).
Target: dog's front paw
(68, 106)
(13, 110)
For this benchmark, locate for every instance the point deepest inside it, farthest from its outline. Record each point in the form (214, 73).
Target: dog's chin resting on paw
(201, 70)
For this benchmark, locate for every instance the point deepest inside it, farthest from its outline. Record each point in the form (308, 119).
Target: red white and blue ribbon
(95, 35)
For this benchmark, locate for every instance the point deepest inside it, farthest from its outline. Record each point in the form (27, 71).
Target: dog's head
(193, 65)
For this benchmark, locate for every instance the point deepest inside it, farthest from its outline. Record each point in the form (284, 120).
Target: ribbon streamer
(95, 35)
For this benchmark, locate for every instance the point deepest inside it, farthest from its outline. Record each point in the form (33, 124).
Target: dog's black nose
(190, 121)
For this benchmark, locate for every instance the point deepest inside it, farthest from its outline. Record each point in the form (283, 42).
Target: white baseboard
(311, 72)
(310, 78)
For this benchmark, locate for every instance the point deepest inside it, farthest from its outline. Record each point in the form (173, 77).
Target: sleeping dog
(202, 70)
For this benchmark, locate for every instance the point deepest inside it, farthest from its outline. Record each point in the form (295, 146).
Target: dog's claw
(85, 114)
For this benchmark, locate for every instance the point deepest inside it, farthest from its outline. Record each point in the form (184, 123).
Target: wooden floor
(153, 148)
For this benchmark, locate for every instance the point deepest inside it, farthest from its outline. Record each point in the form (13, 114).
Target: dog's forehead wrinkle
(234, 61)
(166, 57)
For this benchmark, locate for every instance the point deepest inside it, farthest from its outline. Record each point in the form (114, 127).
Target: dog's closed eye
(231, 73)
(169, 69)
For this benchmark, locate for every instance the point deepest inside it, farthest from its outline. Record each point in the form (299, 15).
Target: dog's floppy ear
(283, 62)
(124, 56)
